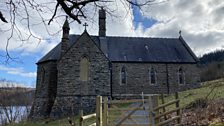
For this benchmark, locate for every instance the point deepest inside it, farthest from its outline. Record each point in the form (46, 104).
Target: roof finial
(180, 32)
(66, 24)
(85, 25)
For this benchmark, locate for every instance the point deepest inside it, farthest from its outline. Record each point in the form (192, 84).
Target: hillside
(212, 65)
(201, 106)
(216, 56)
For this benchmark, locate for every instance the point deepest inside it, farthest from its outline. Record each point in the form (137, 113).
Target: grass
(60, 122)
(211, 90)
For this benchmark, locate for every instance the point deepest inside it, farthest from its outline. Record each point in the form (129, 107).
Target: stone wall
(70, 87)
(138, 79)
(45, 90)
(70, 105)
(192, 77)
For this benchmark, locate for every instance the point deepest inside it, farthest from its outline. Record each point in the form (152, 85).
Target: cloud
(201, 23)
(30, 36)
(18, 71)
(7, 83)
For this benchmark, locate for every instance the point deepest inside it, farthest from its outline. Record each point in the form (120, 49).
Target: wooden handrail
(168, 112)
(166, 104)
(125, 109)
(125, 101)
(88, 116)
(169, 120)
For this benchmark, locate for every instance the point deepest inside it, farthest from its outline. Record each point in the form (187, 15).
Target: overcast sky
(201, 23)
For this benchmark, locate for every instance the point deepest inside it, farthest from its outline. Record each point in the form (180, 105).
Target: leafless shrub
(14, 104)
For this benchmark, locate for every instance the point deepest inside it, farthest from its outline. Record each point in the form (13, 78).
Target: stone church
(81, 67)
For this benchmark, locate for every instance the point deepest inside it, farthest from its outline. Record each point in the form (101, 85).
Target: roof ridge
(143, 37)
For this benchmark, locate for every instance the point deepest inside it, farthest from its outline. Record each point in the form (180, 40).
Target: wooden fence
(83, 118)
(157, 115)
(164, 113)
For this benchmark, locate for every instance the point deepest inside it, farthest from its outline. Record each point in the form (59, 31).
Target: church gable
(83, 69)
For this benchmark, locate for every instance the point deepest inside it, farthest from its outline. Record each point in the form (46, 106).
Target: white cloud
(5, 83)
(18, 71)
(33, 38)
(201, 22)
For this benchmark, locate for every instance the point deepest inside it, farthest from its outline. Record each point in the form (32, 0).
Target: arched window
(84, 69)
(152, 75)
(123, 76)
(181, 76)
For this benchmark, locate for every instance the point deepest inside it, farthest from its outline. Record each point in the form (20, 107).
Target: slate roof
(137, 49)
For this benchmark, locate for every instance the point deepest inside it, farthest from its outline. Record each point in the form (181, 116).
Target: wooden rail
(165, 113)
(105, 106)
(86, 117)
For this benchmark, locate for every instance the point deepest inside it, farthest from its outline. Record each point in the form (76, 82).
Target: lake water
(13, 113)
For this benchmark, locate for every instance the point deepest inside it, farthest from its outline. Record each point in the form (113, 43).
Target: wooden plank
(177, 106)
(125, 109)
(166, 104)
(124, 101)
(151, 118)
(168, 112)
(94, 124)
(169, 120)
(88, 116)
(163, 102)
(129, 114)
(139, 116)
(155, 104)
(105, 112)
(80, 118)
(99, 111)
(129, 95)
(132, 116)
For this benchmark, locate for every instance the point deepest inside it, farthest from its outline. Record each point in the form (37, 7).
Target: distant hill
(212, 65)
(16, 96)
(216, 56)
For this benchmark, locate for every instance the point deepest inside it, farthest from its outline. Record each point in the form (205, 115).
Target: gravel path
(140, 116)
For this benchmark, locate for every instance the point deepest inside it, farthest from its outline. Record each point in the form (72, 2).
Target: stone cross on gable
(180, 32)
(85, 25)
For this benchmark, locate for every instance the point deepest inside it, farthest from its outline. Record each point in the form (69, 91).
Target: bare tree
(19, 11)
(14, 103)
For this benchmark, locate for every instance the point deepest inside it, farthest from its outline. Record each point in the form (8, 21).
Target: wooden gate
(137, 112)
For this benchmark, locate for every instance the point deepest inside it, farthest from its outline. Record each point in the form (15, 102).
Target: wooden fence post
(151, 118)
(163, 102)
(155, 104)
(105, 111)
(177, 106)
(99, 111)
(80, 118)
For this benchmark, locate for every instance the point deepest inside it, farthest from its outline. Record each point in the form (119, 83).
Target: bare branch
(20, 15)
(2, 17)
(56, 8)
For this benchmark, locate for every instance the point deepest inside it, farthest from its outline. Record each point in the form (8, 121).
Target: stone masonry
(138, 79)
(60, 91)
(71, 90)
